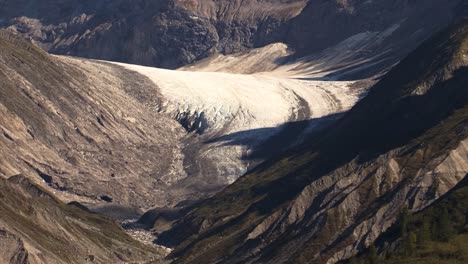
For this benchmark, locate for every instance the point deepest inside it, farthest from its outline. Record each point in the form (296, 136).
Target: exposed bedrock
(174, 33)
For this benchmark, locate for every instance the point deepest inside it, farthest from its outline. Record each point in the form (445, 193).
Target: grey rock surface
(163, 33)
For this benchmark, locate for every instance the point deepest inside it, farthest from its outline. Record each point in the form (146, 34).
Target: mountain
(292, 131)
(403, 145)
(348, 34)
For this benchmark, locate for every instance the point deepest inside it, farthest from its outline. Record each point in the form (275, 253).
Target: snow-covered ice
(237, 102)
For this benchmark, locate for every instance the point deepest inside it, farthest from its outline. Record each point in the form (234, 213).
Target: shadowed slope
(403, 144)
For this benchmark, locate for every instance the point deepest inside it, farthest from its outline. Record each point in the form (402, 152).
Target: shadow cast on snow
(264, 143)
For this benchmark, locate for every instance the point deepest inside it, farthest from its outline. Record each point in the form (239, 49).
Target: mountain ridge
(183, 32)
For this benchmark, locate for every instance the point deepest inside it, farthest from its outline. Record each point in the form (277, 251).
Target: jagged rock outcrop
(404, 144)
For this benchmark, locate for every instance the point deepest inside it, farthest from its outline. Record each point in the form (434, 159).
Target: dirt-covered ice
(242, 119)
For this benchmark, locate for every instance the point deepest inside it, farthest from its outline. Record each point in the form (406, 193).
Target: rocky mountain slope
(403, 145)
(86, 130)
(437, 234)
(335, 40)
(35, 227)
(362, 38)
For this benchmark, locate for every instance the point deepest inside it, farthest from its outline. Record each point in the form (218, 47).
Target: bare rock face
(246, 24)
(166, 33)
(238, 10)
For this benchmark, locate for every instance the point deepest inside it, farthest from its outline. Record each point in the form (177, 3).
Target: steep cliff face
(164, 33)
(246, 24)
(402, 145)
